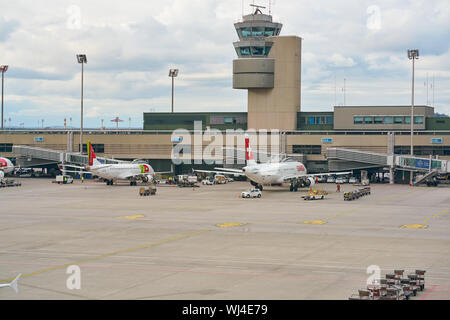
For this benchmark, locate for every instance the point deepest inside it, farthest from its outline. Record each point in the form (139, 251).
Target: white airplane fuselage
(273, 173)
(121, 171)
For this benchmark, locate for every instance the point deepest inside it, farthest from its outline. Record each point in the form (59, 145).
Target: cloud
(131, 45)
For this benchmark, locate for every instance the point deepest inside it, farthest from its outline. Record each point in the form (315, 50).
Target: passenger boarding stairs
(425, 177)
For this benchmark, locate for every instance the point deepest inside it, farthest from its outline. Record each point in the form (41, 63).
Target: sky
(131, 45)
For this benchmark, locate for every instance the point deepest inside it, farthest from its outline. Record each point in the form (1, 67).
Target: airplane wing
(288, 178)
(229, 169)
(220, 172)
(163, 172)
(70, 165)
(73, 171)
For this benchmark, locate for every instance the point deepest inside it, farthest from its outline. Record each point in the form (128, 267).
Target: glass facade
(258, 32)
(245, 51)
(6, 147)
(423, 150)
(257, 51)
(387, 120)
(358, 120)
(269, 32)
(307, 149)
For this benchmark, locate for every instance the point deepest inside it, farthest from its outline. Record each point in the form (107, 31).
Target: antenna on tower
(257, 8)
(270, 7)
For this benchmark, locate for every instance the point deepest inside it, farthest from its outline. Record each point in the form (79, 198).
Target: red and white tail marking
(248, 152)
(91, 155)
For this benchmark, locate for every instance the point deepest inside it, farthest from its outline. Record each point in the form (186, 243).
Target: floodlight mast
(3, 69)
(173, 73)
(412, 55)
(82, 59)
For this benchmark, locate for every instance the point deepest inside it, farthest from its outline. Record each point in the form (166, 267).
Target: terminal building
(268, 66)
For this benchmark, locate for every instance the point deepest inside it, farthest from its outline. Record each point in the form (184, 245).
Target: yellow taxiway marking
(135, 216)
(359, 208)
(414, 226)
(421, 226)
(314, 222)
(112, 254)
(230, 224)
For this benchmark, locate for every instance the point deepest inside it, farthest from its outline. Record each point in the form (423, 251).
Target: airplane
(273, 173)
(12, 284)
(6, 166)
(134, 171)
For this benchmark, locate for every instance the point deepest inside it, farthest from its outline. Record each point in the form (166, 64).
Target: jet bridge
(33, 156)
(346, 159)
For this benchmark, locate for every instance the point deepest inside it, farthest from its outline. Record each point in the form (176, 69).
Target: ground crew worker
(317, 179)
(338, 187)
(82, 179)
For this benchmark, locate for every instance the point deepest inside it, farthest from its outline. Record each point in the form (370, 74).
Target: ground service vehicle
(315, 195)
(251, 193)
(220, 179)
(64, 179)
(146, 191)
(207, 182)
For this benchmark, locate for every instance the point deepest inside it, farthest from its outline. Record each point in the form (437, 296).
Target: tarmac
(208, 243)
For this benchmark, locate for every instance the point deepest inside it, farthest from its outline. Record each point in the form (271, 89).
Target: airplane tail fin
(91, 155)
(248, 152)
(14, 284)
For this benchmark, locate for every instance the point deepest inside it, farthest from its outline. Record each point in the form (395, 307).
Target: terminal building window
(418, 120)
(329, 119)
(423, 150)
(358, 120)
(377, 120)
(387, 120)
(398, 120)
(319, 120)
(368, 120)
(98, 148)
(307, 149)
(6, 147)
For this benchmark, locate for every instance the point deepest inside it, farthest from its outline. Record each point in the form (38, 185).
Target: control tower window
(246, 32)
(258, 31)
(257, 51)
(245, 51)
(269, 32)
(267, 50)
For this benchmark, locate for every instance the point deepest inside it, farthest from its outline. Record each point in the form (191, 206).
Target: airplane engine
(310, 182)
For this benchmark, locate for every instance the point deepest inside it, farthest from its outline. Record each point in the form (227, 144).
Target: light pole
(412, 55)
(81, 59)
(173, 73)
(3, 69)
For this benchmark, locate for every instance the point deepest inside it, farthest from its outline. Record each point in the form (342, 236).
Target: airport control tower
(269, 67)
